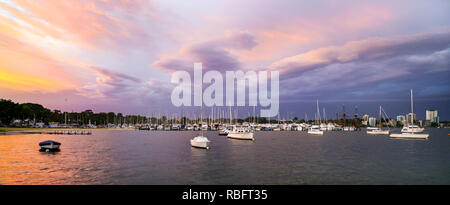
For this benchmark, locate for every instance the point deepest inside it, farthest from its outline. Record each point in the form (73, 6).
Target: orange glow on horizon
(24, 82)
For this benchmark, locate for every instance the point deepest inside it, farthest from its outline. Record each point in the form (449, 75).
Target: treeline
(32, 112)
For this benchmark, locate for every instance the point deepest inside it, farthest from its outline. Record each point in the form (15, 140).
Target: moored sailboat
(411, 134)
(377, 130)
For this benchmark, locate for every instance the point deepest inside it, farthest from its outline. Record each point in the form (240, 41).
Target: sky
(119, 55)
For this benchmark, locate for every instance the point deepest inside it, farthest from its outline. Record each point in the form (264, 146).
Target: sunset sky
(118, 55)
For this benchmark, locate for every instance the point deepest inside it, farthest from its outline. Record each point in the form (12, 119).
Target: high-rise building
(409, 116)
(372, 121)
(432, 116)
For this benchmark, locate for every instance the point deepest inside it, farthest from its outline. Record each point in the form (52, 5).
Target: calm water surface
(158, 157)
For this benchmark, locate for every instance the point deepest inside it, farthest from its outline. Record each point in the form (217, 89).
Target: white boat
(304, 127)
(240, 133)
(175, 127)
(224, 131)
(377, 130)
(200, 142)
(315, 130)
(349, 128)
(409, 135)
(276, 128)
(411, 130)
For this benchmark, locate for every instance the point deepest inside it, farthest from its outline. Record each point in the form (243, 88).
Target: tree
(8, 111)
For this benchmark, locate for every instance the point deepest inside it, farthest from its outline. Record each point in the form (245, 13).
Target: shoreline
(18, 131)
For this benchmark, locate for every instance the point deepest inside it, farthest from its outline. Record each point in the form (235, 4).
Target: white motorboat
(241, 133)
(224, 131)
(315, 130)
(412, 129)
(189, 127)
(200, 142)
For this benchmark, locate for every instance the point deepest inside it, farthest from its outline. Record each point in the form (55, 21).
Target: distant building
(365, 117)
(432, 116)
(409, 116)
(401, 119)
(372, 121)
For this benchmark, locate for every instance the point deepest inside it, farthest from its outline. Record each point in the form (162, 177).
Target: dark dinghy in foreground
(49, 146)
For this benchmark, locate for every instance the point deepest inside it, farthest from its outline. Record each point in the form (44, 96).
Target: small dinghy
(49, 146)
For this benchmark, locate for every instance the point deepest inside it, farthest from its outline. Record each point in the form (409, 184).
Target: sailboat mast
(380, 118)
(318, 113)
(412, 108)
(231, 117)
(201, 118)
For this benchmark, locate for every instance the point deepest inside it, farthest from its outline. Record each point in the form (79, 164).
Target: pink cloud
(214, 54)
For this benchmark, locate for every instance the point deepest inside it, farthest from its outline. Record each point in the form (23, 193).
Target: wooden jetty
(69, 132)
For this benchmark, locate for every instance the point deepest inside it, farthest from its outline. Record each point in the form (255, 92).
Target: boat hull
(312, 132)
(50, 146)
(409, 136)
(378, 132)
(241, 136)
(415, 130)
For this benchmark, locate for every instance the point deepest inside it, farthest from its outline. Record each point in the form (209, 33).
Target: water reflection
(236, 142)
(44, 152)
(198, 152)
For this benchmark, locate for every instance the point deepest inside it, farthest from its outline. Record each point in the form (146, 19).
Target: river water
(166, 157)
